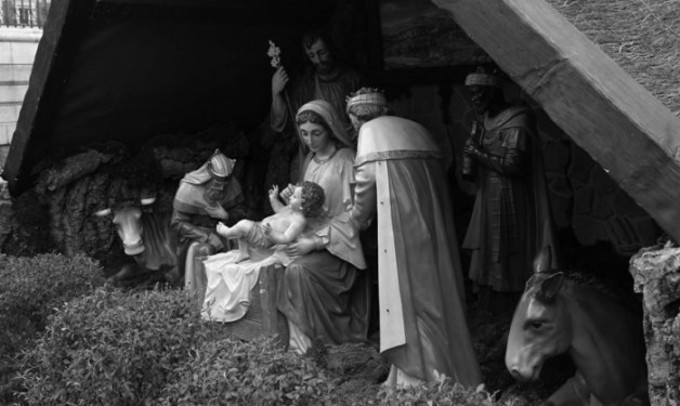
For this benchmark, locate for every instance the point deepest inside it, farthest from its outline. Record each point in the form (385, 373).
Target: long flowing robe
(510, 220)
(323, 293)
(400, 174)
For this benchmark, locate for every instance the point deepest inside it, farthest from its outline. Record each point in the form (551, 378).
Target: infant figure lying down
(230, 278)
(282, 227)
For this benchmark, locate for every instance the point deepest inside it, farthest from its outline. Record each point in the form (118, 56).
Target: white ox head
(129, 225)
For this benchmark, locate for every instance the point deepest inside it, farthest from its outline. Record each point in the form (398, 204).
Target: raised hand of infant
(274, 192)
(287, 192)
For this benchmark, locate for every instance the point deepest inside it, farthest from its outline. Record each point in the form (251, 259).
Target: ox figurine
(148, 239)
(601, 333)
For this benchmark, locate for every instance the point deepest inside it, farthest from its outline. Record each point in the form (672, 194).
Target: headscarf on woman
(330, 116)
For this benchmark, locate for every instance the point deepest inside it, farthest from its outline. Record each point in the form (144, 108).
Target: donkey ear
(543, 260)
(550, 287)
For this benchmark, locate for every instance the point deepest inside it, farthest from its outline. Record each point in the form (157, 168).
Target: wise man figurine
(511, 219)
(205, 197)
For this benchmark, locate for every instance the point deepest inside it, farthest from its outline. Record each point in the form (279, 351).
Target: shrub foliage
(256, 373)
(32, 288)
(112, 348)
(152, 348)
(116, 348)
(444, 392)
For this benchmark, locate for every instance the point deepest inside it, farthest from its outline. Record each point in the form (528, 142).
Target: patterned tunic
(504, 232)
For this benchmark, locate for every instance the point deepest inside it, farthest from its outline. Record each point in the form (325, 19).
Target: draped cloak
(400, 174)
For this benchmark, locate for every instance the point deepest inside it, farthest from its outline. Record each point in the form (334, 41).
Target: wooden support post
(604, 110)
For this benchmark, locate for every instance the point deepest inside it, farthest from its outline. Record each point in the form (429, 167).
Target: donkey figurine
(601, 333)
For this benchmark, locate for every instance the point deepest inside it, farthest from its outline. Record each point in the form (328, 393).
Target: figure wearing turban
(206, 196)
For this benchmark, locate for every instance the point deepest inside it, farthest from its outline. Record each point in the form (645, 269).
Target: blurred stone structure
(656, 272)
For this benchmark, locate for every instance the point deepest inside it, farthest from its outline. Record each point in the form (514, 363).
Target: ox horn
(102, 213)
(543, 260)
(147, 201)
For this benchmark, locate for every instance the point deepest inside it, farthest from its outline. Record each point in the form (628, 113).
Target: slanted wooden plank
(604, 110)
(48, 65)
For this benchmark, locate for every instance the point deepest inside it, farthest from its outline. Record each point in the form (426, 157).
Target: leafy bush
(112, 348)
(445, 392)
(256, 373)
(152, 348)
(32, 288)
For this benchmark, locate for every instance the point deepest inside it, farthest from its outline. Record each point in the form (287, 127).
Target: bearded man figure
(325, 79)
(206, 196)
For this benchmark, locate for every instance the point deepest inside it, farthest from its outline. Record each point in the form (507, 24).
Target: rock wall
(656, 272)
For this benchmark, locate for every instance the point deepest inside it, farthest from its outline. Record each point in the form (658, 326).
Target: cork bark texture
(656, 272)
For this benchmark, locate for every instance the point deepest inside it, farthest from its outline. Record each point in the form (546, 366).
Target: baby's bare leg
(238, 230)
(243, 253)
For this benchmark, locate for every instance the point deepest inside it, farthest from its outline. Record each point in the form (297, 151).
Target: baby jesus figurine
(284, 226)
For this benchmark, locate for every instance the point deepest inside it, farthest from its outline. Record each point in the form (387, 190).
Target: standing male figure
(206, 196)
(400, 174)
(325, 79)
(511, 220)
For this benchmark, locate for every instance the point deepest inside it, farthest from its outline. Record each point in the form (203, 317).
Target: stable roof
(159, 66)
